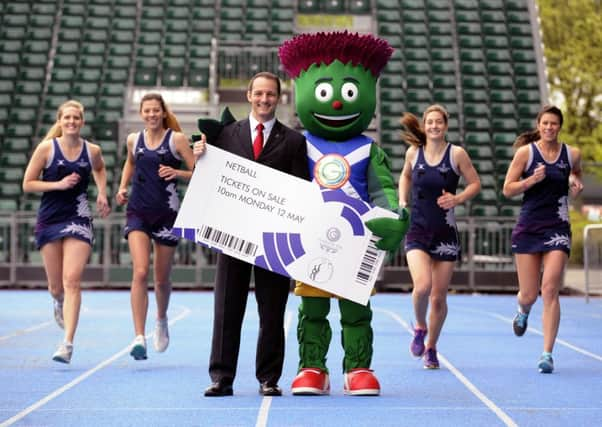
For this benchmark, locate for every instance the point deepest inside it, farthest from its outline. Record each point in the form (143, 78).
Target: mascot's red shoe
(361, 382)
(311, 382)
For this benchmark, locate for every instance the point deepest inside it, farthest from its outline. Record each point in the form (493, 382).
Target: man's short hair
(266, 75)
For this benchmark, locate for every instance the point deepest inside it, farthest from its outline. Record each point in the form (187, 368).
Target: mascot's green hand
(212, 128)
(390, 230)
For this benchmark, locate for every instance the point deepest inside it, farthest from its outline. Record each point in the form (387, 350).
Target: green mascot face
(335, 102)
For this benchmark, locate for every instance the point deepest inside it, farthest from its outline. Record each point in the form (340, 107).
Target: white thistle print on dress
(563, 208)
(83, 207)
(559, 240)
(165, 233)
(450, 217)
(82, 230)
(447, 249)
(173, 200)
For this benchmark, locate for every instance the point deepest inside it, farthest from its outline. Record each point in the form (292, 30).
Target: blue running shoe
(546, 364)
(430, 359)
(417, 344)
(519, 324)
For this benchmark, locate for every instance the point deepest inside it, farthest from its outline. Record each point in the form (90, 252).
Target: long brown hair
(170, 121)
(414, 133)
(533, 135)
(55, 131)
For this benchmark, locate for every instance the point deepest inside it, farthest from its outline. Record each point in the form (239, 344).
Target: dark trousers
(230, 301)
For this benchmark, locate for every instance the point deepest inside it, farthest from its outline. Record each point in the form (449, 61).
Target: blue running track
(488, 377)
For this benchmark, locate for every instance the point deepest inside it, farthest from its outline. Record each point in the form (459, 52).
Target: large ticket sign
(282, 223)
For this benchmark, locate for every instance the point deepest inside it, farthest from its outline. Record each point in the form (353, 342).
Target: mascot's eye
(324, 92)
(349, 92)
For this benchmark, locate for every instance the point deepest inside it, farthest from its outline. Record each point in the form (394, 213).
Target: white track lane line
(266, 402)
(538, 332)
(470, 386)
(20, 332)
(186, 311)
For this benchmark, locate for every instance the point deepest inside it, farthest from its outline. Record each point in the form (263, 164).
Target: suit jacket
(285, 149)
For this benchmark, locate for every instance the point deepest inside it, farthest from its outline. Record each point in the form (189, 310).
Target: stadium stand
(480, 59)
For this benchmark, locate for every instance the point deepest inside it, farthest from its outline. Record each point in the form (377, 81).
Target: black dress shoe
(267, 389)
(219, 389)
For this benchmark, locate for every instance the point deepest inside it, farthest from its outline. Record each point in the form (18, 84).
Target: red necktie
(258, 142)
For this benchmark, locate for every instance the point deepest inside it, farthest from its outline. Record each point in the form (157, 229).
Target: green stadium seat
(473, 82)
(439, 15)
(493, 15)
(417, 67)
(495, 28)
(44, 8)
(468, 28)
(524, 95)
(491, 4)
(59, 88)
(395, 81)
(441, 41)
(444, 81)
(118, 61)
(445, 96)
(9, 205)
(151, 25)
(477, 124)
(387, 28)
(442, 54)
(359, 7)
(415, 41)
(443, 67)
(16, 144)
(198, 77)
(480, 152)
(528, 109)
(440, 29)
(172, 76)
(484, 210)
(14, 46)
(7, 86)
(504, 152)
(470, 42)
(26, 101)
(473, 67)
(521, 42)
(504, 124)
(500, 68)
(496, 42)
(518, 16)
(124, 24)
(503, 109)
(88, 75)
(415, 81)
(418, 15)
(519, 29)
(502, 95)
(498, 55)
(523, 55)
(501, 82)
(13, 160)
(504, 138)
(392, 94)
(476, 55)
(466, 15)
(145, 76)
(483, 165)
(477, 138)
(416, 55)
(11, 174)
(525, 68)
(11, 59)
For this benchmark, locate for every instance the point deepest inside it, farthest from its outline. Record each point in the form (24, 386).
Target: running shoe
(161, 338)
(58, 313)
(546, 364)
(519, 324)
(430, 359)
(138, 351)
(417, 343)
(63, 353)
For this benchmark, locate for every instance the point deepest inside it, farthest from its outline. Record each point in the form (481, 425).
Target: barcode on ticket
(224, 240)
(368, 263)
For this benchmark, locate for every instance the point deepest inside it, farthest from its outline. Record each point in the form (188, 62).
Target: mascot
(335, 78)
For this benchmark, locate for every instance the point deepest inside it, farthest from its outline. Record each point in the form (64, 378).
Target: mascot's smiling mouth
(336, 121)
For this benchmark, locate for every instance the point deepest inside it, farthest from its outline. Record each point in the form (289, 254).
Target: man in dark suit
(285, 150)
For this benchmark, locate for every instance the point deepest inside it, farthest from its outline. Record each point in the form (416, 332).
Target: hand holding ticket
(282, 223)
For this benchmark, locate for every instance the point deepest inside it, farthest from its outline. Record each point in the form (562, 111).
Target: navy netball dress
(433, 229)
(65, 213)
(543, 223)
(154, 202)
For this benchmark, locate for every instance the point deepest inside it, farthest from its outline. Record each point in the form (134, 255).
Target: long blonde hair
(170, 121)
(414, 133)
(55, 131)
